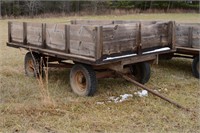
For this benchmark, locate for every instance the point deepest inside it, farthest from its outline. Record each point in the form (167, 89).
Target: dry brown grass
(21, 107)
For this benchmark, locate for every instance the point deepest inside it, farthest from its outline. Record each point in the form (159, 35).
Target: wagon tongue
(126, 77)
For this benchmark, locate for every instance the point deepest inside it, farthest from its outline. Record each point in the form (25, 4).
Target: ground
(23, 109)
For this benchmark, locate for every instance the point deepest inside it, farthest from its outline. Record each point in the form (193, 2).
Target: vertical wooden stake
(67, 38)
(43, 35)
(9, 32)
(24, 33)
(139, 40)
(99, 42)
(171, 34)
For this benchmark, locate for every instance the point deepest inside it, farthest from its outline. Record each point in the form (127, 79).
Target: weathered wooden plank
(34, 34)
(118, 46)
(135, 21)
(99, 43)
(156, 29)
(182, 41)
(171, 34)
(78, 44)
(196, 42)
(119, 32)
(17, 31)
(44, 35)
(154, 35)
(82, 48)
(154, 41)
(119, 27)
(92, 22)
(188, 35)
(24, 33)
(67, 38)
(139, 39)
(55, 36)
(82, 30)
(196, 37)
(74, 57)
(83, 38)
(9, 32)
(186, 50)
(119, 36)
(182, 30)
(138, 59)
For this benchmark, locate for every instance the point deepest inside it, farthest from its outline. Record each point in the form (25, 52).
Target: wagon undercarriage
(100, 49)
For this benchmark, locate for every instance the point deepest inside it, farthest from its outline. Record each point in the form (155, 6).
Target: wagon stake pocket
(126, 77)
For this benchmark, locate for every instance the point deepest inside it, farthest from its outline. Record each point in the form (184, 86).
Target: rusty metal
(80, 81)
(61, 65)
(105, 74)
(30, 66)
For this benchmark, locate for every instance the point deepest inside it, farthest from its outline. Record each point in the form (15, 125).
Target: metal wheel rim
(30, 66)
(80, 81)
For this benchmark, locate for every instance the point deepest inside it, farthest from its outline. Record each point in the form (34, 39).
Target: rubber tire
(141, 72)
(90, 79)
(36, 65)
(195, 64)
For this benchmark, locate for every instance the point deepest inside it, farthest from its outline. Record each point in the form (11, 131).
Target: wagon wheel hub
(30, 66)
(80, 80)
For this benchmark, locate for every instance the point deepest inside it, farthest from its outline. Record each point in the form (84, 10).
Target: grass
(21, 109)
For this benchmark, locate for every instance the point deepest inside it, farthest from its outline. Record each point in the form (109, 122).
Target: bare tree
(65, 6)
(32, 6)
(151, 2)
(168, 7)
(78, 6)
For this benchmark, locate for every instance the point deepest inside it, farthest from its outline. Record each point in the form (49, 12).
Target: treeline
(37, 7)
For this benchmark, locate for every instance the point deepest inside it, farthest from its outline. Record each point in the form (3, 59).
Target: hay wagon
(186, 41)
(92, 49)
(188, 44)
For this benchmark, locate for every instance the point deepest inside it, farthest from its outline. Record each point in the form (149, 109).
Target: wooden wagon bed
(95, 43)
(100, 49)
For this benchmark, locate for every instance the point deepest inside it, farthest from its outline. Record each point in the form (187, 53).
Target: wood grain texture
(55, 36)
(83, 40)
(82, 48)
(67, 38)
(188, 35)
(135, 21)
(17, 31)
(24, 33)
(119, 38)
(99, 43)
(92, 22)
(196, 37)
(34, 34)
(9, 32)
(154, 35)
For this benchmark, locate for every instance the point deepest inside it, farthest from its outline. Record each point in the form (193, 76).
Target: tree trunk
(68, 9)
(77, 6)
(151, 4)
(168, 6)
(95, 7)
